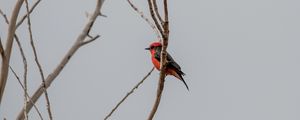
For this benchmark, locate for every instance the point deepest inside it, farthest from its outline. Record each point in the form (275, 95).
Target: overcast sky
(241, 59)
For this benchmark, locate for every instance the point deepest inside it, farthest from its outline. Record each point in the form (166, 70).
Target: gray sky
(241, 60)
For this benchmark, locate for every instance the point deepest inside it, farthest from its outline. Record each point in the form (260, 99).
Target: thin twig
(24, 62)
(157, 13)
(25, 73)
(90, 40)
(26, 96)
(150, 3)
(51, 77)
(30, 11)
(8, 47)
(23, 87)
(129, 93)
(4, 16)
(37, 61)
(162, 62)
(145, 18)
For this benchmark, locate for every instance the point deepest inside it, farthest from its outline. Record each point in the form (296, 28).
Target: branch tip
(102, 15)
(90, 40)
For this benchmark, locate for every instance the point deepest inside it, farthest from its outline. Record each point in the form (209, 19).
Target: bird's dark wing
(170, 61)
(172, 64)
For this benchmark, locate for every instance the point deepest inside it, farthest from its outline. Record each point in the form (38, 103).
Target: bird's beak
(147, 48)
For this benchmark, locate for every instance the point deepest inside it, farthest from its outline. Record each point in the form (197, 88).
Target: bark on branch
(163, 56)
(8, 47)
(150, 4)
(24, 87)
(37, 62)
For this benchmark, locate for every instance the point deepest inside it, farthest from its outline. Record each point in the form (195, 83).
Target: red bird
(172, 67)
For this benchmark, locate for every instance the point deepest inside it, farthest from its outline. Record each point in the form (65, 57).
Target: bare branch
(50, 78)
(146, 19)
(30, 11)
(166, 11)
(8, 47)
(129, 93)
(23, 87)
(4, 16)
(23, 17)
(37, 61)
(25, 73)
(157, 13)
(162, 62)
(154, 17)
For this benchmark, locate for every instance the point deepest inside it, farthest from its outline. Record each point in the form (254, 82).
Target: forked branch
(24, 87)
(157, 13)
(78, 43)
(146, 19)
(8, 47)
(37, 61)
(30, 11)
(163, 56)
(157, 24)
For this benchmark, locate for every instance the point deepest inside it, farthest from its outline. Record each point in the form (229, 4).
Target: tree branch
(24, 75)
(4, 16)
(37, 61)
(146, 19)
(50, 78)
(162, 62)
(9, 43)
(150, 3)
(129, 93)
(157, 13)
(30, 11)
(26, 95)
(23, 87)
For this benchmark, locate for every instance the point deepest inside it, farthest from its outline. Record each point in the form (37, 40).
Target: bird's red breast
(156, 63)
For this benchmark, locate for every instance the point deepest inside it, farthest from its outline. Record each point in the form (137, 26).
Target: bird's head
(153, 46)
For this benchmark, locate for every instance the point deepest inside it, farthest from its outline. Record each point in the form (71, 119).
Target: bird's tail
(178, 74)
(187, 87)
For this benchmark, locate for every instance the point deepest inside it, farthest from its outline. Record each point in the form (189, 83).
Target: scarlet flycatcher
(172, 67)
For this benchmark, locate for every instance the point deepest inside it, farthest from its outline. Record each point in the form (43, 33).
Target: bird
(172, 68)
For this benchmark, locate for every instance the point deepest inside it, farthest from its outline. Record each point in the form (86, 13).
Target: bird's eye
(151, 47)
